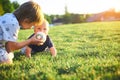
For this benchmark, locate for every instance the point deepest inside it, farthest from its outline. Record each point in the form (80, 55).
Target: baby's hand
(28, 55)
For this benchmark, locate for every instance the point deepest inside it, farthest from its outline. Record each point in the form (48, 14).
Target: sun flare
(93, 6)
(76, 6)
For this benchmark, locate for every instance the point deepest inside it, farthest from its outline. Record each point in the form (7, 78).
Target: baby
(32, 49)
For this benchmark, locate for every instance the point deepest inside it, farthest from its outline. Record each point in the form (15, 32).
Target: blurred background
(59, 12)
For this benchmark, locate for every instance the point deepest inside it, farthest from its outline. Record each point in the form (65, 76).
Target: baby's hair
(31, 11)
(46, 22)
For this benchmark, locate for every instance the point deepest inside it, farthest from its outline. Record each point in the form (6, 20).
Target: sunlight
(76, 6)
(95, 6)
(117, 7)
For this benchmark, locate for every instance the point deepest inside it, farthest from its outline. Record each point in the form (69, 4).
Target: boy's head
(44, 27)
(29, 14)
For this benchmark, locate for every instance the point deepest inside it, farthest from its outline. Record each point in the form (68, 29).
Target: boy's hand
(36, 41)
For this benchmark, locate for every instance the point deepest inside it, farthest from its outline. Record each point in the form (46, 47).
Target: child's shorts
(23, 50)
(4, 56)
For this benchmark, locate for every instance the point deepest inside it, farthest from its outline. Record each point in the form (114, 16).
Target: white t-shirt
(9, 28)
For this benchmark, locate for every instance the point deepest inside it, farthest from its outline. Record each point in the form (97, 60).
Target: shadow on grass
(101, 72)
(70, 70)
(18, 56)
(109, 72)
(111, 77)
(90, 54)
(117, 56)
(5, 67)
(41, 76)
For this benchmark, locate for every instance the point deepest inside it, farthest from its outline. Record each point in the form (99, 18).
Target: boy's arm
(53, 51)
(11, 46)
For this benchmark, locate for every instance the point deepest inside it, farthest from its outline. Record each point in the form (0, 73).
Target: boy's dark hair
(31, 11)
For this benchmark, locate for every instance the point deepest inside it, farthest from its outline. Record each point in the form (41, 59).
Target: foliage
(15, 4)
(1, 9)
(67, 18)
(49, 19)
(7, 6)
(86, 51)
(76, 18)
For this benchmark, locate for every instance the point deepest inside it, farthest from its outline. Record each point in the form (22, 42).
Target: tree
(75, 18)
(1, 9)
(48, 18)
(15, 4)
(7, 6)
(67, 18)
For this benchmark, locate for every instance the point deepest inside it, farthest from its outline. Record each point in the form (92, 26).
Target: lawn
(86, 51)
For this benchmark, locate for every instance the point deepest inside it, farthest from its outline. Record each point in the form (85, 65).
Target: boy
(27, 15)
(44, 27)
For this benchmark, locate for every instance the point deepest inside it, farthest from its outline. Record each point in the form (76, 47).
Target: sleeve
(1, 33)
(10, 32)
(10, 27)
(50, 43)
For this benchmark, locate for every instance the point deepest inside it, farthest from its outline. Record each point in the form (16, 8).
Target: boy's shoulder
(8, 18)
(8, 15)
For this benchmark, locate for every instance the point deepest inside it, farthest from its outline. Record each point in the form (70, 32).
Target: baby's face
(42, 28)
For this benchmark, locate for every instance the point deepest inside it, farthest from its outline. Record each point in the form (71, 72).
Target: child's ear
(26, 21)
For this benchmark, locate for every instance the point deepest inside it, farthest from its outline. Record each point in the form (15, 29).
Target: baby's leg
(28, 52)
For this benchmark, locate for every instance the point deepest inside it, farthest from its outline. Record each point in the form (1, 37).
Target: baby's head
(29, 14)
(44, 27)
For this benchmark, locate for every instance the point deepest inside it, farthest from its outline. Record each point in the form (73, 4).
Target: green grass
(86, 51)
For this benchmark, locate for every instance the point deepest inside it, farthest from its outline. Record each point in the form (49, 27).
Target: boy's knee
(23, 50)
(6, 62)
(6, 57)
